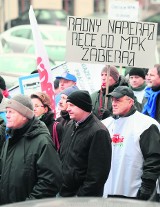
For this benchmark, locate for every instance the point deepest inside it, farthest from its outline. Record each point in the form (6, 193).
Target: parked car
(20, 37)
(43, 16)
(56, 51)
(154, 18)
(14, 65)
(4, 47)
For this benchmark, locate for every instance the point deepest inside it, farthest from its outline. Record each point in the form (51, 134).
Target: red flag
(43, 65)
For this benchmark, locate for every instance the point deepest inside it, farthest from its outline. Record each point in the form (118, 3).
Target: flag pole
(107, 87)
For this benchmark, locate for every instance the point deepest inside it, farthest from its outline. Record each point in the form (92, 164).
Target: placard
(123, 10)
(111, 42)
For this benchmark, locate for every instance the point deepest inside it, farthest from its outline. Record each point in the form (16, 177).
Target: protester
(135, 138)
(137, 82)
(56, 86)
(151, 100)
(42, 109)
(99, 97)
(64, 115)
(5, 91)
(30, 165)
(66, 80)
(85, 151)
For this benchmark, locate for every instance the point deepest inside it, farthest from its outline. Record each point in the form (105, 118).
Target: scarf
(150, 106)
(140, 88)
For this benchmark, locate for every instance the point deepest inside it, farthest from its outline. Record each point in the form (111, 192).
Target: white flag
(43, 65)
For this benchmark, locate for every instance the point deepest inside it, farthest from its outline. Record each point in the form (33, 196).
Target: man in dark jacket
(85, 150)
(30, 166)
(99, 97)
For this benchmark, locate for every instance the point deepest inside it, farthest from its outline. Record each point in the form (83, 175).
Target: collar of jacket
(131, 111)
(65, 115)
(79, 123)
(155, 88)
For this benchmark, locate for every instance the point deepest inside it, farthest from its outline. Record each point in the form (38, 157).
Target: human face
(121, 106)
(152, 78)
(14, 119)
(62, 103)
(75, 112)
(63, 84)
(136, 81)
(38, 107)
(104, 80)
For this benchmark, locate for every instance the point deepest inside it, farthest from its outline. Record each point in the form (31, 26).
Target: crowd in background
(102, 144)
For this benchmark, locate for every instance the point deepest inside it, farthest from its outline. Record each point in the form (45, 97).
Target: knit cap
(113, 72)
(69, 90)
(43, 97)
(137, 71)
(81, 99)
(22, 104)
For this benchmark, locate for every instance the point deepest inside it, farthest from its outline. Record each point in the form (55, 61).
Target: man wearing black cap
(137, 82)
(30, 166)
(135, 149)
(85, 150)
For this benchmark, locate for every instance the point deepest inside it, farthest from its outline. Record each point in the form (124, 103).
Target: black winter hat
(81, 99)
(137, 71)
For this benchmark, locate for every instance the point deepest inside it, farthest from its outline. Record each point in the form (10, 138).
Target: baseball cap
(67, 76)
(121, 91)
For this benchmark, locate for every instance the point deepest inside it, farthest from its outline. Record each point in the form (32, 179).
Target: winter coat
(64, 118)
(86, 158)
(30, 167)
(157, 115)
(48, 119)
(99, 112)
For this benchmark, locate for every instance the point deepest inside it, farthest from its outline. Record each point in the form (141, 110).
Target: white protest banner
(111, 42)
(88, 78)
(43, 65)
(123, 10)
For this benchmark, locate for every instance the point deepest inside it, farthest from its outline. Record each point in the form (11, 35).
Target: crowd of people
(108, 141)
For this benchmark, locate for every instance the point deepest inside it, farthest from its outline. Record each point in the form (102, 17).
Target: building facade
(10, 9)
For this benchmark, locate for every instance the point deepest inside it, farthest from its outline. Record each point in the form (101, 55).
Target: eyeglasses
(38, 106)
